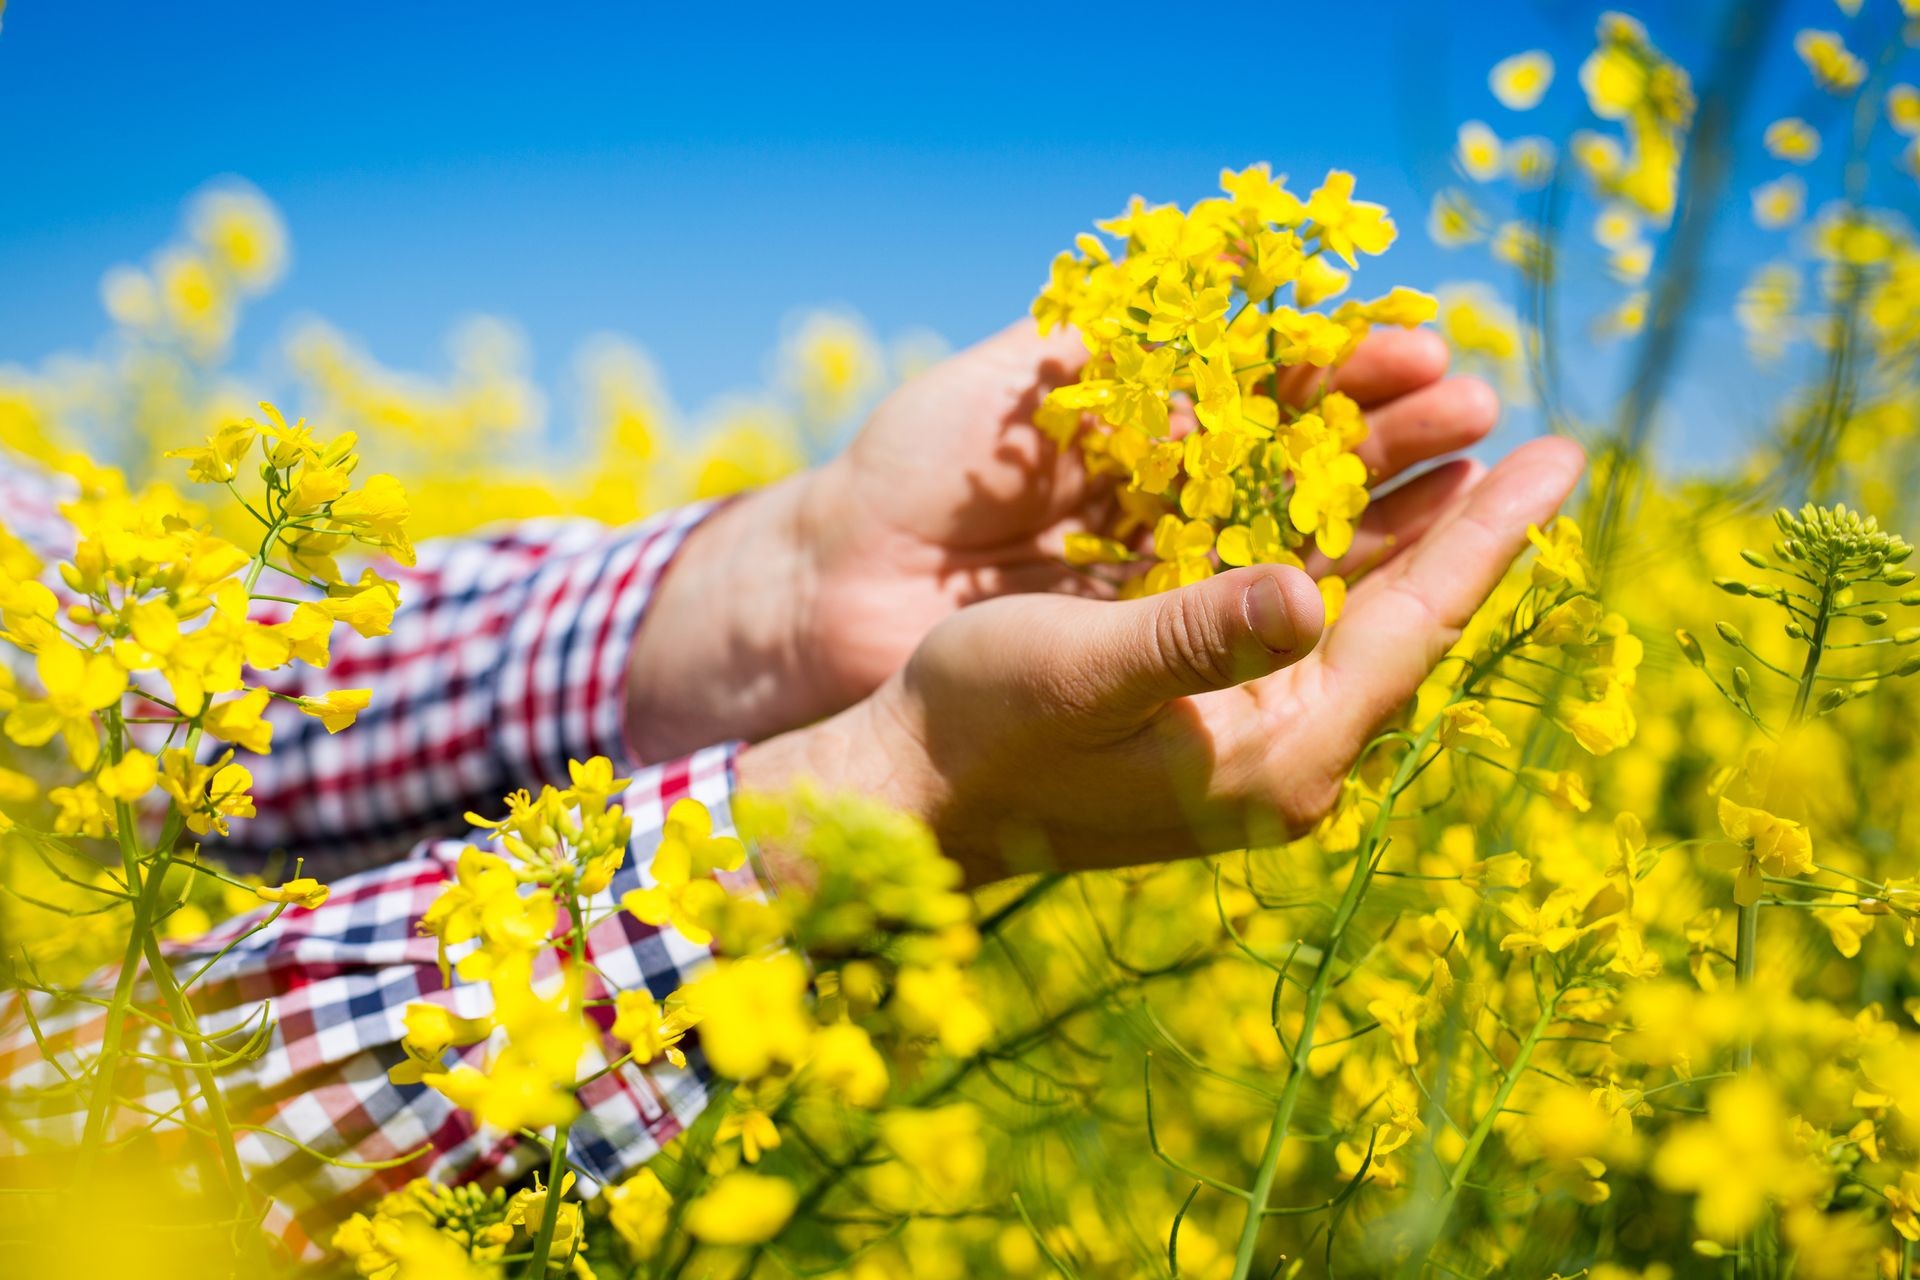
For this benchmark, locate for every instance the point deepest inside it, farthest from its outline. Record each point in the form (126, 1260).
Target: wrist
(722, 651)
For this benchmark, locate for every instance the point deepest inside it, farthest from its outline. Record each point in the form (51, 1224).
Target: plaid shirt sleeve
(339, 979)
(506, 659)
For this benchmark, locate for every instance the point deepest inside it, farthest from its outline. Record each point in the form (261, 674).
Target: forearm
(723, 651)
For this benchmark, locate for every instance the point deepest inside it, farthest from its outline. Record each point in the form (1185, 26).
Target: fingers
(1396, 520)
(1399, 622)
(1388, 363)
(1437, 418)
(1227, 630)
(1052, 359)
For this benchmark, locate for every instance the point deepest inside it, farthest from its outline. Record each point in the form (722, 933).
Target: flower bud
(1906, 635)
(1874, 617)
(1910, 667)
(1754, 558)
(1742, 682)
(1731, 586)
(1731, 634)
(1690, 647)
(1832, 700)
(1795, 631)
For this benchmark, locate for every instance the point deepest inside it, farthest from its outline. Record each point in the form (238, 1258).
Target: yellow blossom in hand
(1328, 496)
(338, 709)
(1178, 310)
(1317, 281)
(1256, 542)
(1135, 396)
(1346, 225)
(1407, 308)
(1307, 337)
(1261, 196)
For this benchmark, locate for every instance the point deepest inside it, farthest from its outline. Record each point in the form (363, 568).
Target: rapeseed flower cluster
(1252, 463)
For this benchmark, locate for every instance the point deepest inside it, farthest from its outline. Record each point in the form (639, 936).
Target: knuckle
(1192, 641)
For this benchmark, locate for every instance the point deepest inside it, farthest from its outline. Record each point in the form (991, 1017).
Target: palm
(1280, 746)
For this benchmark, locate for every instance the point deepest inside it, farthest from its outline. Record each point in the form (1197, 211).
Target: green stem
(1262, 1189)
(557, 1162)
(550, 1215)
(183, 1018)
(1457, 1176)
(144, 890)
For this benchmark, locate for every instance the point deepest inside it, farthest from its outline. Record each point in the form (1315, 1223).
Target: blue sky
(690, 179)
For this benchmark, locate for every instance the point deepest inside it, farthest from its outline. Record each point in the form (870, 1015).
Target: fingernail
(1268, 615)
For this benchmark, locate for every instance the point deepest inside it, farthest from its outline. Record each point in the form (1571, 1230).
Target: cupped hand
(949, 496)
(1100, 733)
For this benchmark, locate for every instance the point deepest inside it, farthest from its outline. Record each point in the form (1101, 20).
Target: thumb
(1232, 628)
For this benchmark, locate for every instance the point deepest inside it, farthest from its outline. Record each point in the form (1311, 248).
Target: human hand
(799, 600)
(1207, 718)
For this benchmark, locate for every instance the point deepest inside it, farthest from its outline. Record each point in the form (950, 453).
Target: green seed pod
(1731, 634)
(1690, 647)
